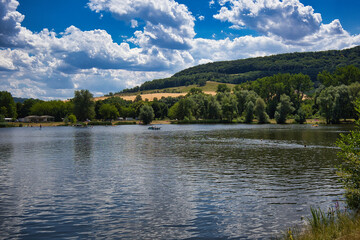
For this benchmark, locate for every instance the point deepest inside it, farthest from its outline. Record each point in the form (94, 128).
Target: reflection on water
(183, 182)
(83, 146)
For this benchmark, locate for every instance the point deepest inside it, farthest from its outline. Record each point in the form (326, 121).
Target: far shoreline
(314, 122)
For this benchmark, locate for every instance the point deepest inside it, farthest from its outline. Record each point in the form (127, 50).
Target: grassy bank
(333, 224)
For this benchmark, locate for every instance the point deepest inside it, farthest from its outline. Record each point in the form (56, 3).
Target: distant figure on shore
(40, 126)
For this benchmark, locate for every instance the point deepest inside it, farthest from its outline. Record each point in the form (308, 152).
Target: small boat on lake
(154, 128)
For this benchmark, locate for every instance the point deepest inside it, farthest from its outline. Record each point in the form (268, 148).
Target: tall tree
(84, 107)
(108, 111)
(260, 111)
(283, 109)
(329, 103)
(214, 108)
(146, 114)
(7, 105)
(222, 88)
(229, 106)
(249, 112)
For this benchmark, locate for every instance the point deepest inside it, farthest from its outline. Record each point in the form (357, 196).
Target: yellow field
(209, 88)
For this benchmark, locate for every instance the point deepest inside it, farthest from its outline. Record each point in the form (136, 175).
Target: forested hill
(239, 71)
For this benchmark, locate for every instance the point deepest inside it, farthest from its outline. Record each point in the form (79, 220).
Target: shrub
(349, 170)
(72, 118)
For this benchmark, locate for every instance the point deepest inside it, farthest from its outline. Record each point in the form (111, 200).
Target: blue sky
(48, 49)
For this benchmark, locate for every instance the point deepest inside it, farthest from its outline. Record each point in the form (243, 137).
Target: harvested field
(150, 96)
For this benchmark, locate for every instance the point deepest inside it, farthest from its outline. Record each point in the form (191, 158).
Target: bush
(349, 170)
(72, 118)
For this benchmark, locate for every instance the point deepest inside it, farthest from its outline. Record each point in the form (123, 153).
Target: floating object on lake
(154, 128)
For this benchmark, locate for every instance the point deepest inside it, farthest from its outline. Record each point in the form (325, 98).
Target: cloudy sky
(49, 48)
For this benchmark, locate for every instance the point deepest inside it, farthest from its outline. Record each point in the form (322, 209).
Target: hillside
(239, 71)
(209, 88)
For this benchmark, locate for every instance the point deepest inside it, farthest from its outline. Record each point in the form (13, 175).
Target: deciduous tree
(146, 114)
(84, 107)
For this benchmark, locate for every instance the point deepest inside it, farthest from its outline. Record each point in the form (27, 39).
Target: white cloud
(168, 24)
(289, 19)
(49, 65)
(10, 22)
(201, 18)
(134, 23)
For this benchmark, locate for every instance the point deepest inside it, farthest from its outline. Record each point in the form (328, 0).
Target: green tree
(260, 111)
(194, 91)
(349, 170)
(222, 88)
(300, 83)
(283, 109)
(300, 116)
(84, 106)
(229, 106)
(185, 108)
(146, 114)
(213, 108)
(26, 106)
(72, 118)
(108, 111)
(326, 78)
(56, 108)
(156, 105)
(7, 101)
(200, 105)
(249, 112)
(329, 104)
(354, 93)
(342, 75)
(173, 111)
(138, 98)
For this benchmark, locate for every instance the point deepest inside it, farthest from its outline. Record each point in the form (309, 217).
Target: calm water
(182, 182)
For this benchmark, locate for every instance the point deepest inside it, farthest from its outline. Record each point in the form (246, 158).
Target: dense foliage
(84, 107)
(349, 170)
(279, 97)
(7, 105)
(244, 70)
(146, 114)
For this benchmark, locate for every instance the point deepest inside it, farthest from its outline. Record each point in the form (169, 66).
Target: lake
(182, 182)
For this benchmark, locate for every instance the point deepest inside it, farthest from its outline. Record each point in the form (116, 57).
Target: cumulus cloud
(134, 23)
(289, 19)
(10, 22)
(168, 24)
(52, 65)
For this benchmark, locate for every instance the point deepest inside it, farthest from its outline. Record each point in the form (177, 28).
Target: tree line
(280, 96)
